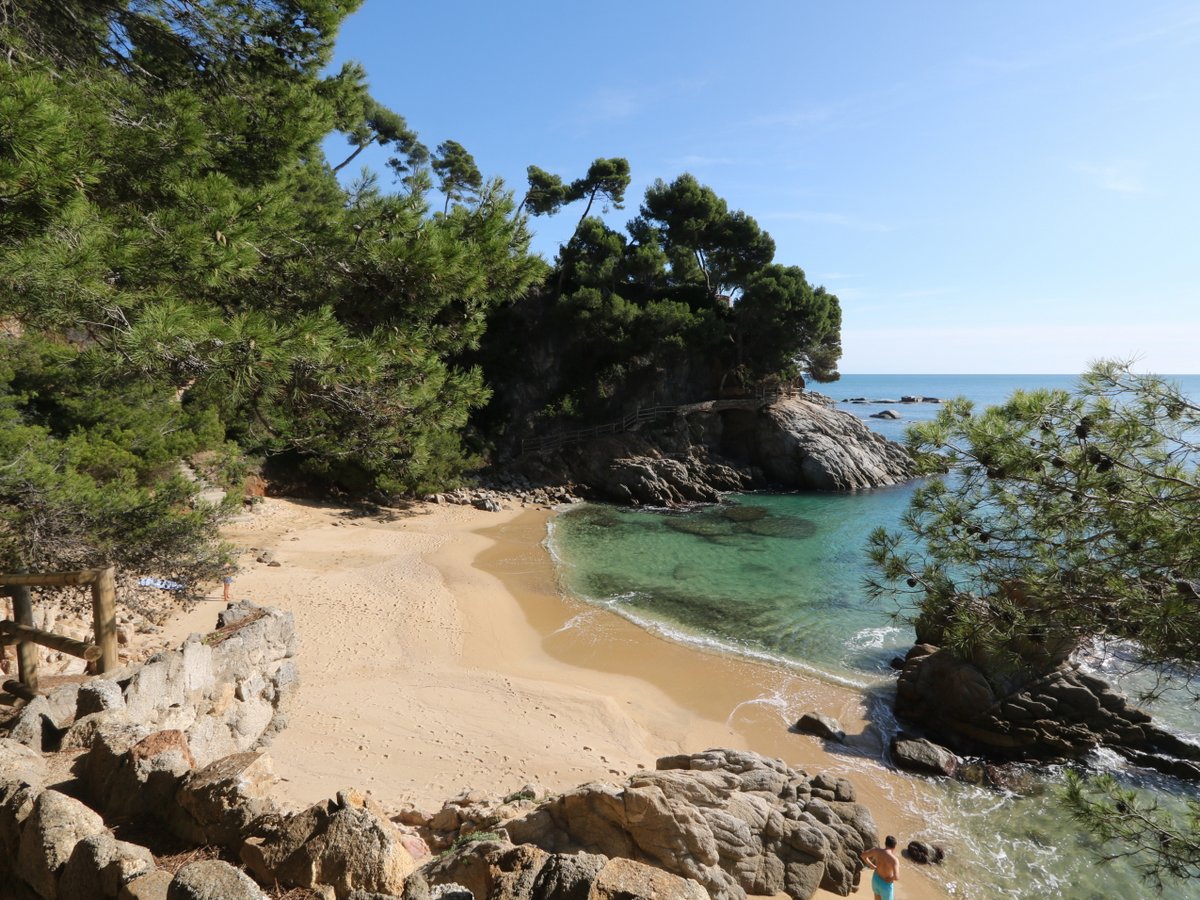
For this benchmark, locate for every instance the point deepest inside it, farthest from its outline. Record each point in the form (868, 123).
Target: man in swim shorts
(887, 868)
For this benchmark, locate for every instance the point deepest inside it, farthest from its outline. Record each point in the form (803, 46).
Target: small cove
(779, 578)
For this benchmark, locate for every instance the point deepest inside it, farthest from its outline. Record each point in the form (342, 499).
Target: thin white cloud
(1183, 29)
(613, 103)
(801, 117)
(1119, 178)
(610, 104)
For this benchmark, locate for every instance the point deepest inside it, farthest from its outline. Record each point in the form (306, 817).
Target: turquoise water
(781, 577)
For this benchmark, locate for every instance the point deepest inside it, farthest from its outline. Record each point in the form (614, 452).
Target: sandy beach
(437, 655)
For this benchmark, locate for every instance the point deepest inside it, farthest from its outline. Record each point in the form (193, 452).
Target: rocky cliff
(697, 452)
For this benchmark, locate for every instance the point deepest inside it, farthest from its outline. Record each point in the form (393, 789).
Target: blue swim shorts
(881, 887)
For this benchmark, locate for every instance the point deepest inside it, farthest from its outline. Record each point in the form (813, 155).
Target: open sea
(780, 577)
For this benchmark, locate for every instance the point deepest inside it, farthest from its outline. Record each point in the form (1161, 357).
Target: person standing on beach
(228, 580)
(886, 865)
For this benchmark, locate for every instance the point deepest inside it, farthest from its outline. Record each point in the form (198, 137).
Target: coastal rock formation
(805, 445)
(1056, 717)
(700, 451)
(735, 822)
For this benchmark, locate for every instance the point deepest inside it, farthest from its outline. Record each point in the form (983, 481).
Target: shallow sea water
(780, 577)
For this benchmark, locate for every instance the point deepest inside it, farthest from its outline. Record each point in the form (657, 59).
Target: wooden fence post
(104, 617)
(27, 653)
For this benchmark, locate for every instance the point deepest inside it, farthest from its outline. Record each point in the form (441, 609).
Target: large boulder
(98, 695)
(347, 844)
(219, 803)
(1057, 716)
(806, 445)
(212, 879)
(21, 763)
(100, 866)
(48, 838)
(737, 823)
(925, 757)
(822, 726)
(227, 691)
(147, 776)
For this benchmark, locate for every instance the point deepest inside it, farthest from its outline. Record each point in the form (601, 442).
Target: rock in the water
(213, 879)
(926, 757)
(1061, 715)
(707, 449)
(805, 445)
(822, 726)
(886, 414)
(923, 853)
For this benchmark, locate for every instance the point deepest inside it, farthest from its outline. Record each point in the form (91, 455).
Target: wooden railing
(648, 413)
(20, 630)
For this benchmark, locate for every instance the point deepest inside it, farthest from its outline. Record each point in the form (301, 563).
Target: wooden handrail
(22, 632)
(12, 633)
(52, 579)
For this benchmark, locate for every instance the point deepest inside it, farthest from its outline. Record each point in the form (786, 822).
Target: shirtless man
(887, 868)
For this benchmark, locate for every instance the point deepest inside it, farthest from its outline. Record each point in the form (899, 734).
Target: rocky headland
(694, 453)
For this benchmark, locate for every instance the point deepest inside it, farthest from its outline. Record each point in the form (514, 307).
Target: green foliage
(785, 326)
(1161, 844)
(606, 179)
(546, 195)
(1066, 516)
(683, 306)
(92, 477)
(458, 175)
(168, 222)
(700, 236)
(1055, 518)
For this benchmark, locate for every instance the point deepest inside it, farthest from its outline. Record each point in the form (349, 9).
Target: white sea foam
(873, 638)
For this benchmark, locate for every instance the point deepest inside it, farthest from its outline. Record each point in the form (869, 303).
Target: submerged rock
(925, 757)
(822, 726)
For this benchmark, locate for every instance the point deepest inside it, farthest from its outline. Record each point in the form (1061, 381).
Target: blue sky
(987, 187)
